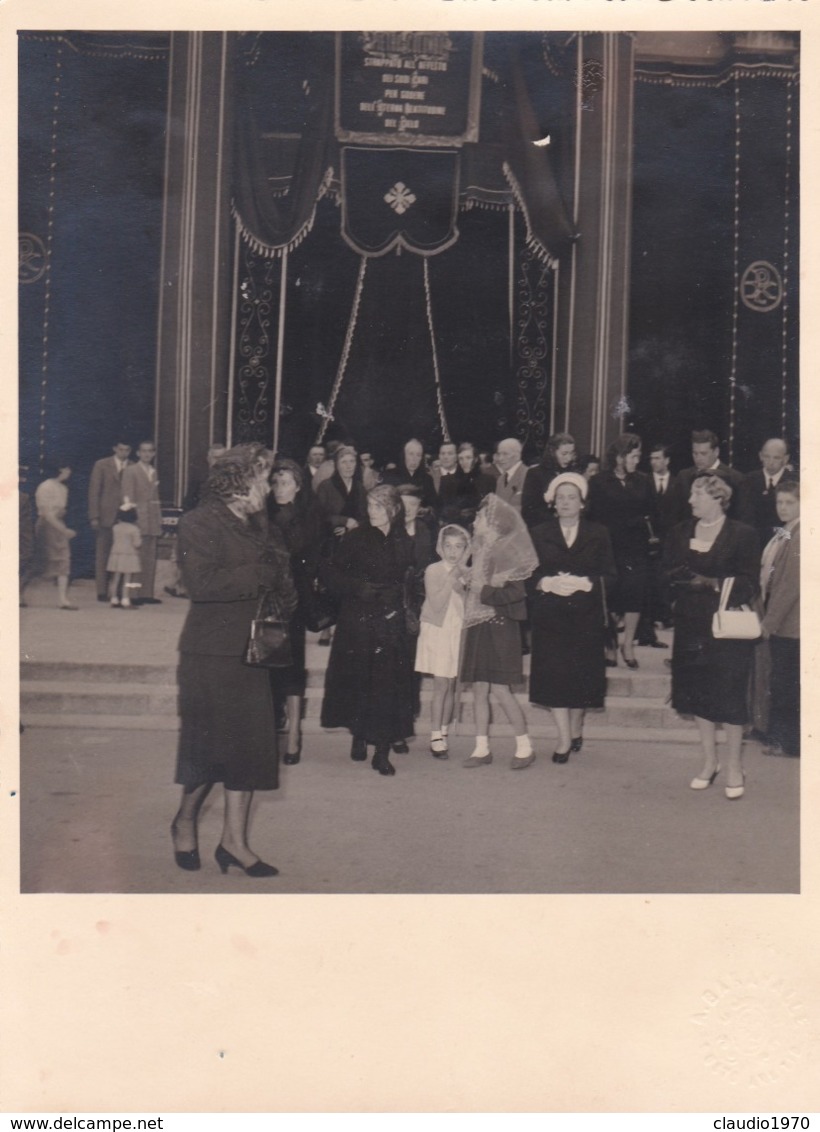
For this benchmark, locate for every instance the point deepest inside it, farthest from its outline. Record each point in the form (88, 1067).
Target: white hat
(575, 478)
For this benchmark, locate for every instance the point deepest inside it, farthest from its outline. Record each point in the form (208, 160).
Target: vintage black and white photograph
(409, 452)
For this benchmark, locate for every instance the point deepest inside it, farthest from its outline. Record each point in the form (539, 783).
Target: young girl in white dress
(124, 561)
(442, 619)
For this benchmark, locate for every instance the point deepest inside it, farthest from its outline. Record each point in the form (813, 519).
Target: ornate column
(593, 284)
(193, 339)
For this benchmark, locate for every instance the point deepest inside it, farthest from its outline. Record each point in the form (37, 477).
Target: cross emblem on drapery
(400, 198)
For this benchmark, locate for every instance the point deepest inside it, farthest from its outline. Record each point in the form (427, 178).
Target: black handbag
(269, 641)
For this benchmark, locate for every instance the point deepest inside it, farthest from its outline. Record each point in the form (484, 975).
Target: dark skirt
(227, 729)
(369, 678)
(492, 653)
(567, 668)
(629, 593)
(710, 678)
(292, 681)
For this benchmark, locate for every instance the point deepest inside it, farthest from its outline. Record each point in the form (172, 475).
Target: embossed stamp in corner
(754, 1029)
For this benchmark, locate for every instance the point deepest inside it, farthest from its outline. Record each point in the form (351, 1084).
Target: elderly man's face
(509, 453)
(413, 453)
(774, 455)
(316, 456)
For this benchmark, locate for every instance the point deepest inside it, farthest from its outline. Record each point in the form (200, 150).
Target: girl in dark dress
(226, 713)
(567, 612)
(295, 524)
(710, 676)
(494, 606)
(620, 497)
(368, 686)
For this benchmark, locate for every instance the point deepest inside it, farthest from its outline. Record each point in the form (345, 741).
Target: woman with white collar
(567, 611)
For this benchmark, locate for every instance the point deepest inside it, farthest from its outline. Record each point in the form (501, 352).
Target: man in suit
(446, 482)
(706, 458)
(758, 496)
(104, 498)
(141, 487)
(666, 501)
(512, 472)
(781, 625)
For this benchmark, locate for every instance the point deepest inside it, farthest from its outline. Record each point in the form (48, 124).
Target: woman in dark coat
(368, 686)
(342, 498)
(620, 497)
(567, 612)
(472, 484)
(227, 731)
(296, 525)
(710, 676)
(560, 455)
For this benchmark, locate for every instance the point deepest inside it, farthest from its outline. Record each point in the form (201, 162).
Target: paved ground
(619, 817)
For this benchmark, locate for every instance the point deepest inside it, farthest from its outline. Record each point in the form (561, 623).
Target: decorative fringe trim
(532, 240)
(735, 71)
(127, 51)
(445, 433)
(340, 373)
(271, 251)
(487, 205)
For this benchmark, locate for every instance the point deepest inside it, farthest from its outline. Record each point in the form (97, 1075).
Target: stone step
(593, 731)
(152, 700)
(620, 682)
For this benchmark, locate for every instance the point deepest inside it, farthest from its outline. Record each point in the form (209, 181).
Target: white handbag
(734, 624)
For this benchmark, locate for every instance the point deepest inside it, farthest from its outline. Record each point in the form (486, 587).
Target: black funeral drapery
(287, 156)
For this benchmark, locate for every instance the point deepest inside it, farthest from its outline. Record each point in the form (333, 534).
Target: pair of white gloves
(564, 585)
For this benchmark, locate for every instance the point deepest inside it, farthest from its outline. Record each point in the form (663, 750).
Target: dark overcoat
(368, 686)
(227, 731)
(567, 663)
(623, 507)
(710, 676)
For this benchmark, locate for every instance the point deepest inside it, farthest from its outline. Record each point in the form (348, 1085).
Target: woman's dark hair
(285, 464)
(549, 457)
(585, 461)
(621, 446)
(127, 515)
(55, 465)
(229, 477)
(410, 489)
(790, 486)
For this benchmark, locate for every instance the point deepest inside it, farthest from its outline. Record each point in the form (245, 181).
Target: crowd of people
(454, 568)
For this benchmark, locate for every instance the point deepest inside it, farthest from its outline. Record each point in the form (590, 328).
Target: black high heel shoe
(577, 744)
(358, 750)
(258, 869)
(382, 763)
(187, 859)
(291, 758)
(633, 664)
(562, 756)
(400, 747)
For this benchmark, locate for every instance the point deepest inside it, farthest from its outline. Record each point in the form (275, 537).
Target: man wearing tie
(141, 487)
(512, 473)
(104, 498)
(758, 504)
(446, 483)
(666, 499)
